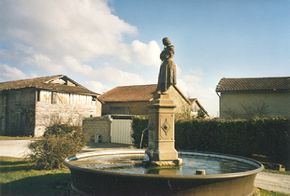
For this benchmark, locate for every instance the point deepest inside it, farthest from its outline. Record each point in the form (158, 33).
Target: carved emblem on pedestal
(165, 127)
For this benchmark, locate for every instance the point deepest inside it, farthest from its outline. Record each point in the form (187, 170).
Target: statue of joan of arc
(167, 73)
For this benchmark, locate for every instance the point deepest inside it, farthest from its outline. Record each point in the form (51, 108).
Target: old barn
(28, 106)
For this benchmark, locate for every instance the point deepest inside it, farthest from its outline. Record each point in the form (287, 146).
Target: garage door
(121, 131)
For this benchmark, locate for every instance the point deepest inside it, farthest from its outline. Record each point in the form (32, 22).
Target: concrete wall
(19, 114)
(63, 108)
(98, 125)
(241, 104)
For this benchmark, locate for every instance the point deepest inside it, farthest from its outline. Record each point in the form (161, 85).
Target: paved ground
(267, 181)
(273, 182)
(14, 148)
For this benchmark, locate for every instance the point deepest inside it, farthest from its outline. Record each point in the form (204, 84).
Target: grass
(2, 137)
(270, 193)
(20, 177)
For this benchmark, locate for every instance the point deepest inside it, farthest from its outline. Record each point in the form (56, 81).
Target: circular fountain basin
(123, 172)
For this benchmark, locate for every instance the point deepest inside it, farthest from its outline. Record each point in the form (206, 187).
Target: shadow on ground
(50, 184)
(3, 163)
(14, 166)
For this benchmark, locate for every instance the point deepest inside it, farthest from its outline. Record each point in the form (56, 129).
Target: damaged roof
(57, 83)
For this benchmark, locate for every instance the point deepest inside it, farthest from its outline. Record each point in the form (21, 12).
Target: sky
(102, 44)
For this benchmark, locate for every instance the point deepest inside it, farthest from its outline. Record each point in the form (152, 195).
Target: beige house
(136, 100)
(254, 97)
(28, 106)
(197, 109)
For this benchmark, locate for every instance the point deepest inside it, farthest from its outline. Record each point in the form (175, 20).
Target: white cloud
(116, 76)
(82, 29)
(76, 66)
(146, 54)
(81, 39)
(44, 63)
(84, 40)
(10, 73)
(96, 86)
(192, 85)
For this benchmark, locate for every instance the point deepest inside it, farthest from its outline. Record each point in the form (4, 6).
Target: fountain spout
(142, 136)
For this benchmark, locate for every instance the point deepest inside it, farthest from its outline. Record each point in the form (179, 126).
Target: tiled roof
(46, 84)
(129, 93)
(254, 84)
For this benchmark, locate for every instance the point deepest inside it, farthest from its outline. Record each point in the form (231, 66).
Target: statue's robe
(167, 72)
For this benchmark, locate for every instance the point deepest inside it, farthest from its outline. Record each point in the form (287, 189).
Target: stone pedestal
(161, 150)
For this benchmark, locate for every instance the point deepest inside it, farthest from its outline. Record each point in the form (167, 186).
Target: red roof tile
(254, 84)
(129, 93)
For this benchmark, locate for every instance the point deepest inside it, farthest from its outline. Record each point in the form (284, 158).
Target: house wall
(17, 116)
(241, 104)
(52, 107)
(142, 107)
(132, 108)
(97, 125)
(194, 109)
(181, 104)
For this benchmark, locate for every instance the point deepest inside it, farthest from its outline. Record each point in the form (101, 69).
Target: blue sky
(102, 44)
(236, 38)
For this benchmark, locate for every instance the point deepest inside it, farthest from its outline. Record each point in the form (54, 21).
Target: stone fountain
(161, 170)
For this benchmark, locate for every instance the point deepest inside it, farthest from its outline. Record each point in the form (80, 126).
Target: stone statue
(161, 149)
(167, 73)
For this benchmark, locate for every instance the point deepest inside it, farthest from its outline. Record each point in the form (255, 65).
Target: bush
(139, 125)
(270, 137)
(59, 142)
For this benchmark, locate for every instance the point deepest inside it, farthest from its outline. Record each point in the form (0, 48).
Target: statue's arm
(171, 51)
(162, 55)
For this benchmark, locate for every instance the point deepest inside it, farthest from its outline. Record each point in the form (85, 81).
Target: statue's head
(166, 41)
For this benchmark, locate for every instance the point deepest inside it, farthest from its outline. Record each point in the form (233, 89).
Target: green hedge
(269, 137)
(138, 126)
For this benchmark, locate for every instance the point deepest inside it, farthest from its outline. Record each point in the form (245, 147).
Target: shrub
(139, 125)
(270, 137)
(59, 142)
